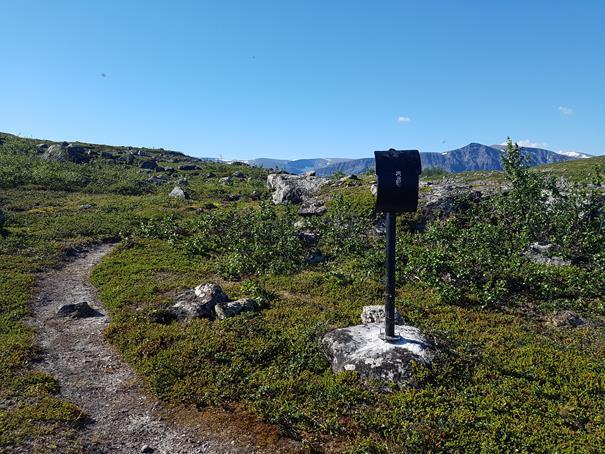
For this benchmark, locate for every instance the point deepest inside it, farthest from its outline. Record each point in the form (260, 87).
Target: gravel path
(123, 417)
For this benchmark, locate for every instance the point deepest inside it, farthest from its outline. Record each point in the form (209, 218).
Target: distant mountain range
(297, 166)
(474, 156)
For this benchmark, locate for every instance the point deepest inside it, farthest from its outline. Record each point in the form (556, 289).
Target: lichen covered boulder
(360, 348)
(294, 188)
(198, 302)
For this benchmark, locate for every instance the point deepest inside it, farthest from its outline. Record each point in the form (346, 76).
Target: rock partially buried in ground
(229, 309)
(199, 302)
(187, 167)
(359, 348)
(540, 253)
(567, 319)
(375, 314)
(149, 164)
(178, 193)
(66, 152)
(77, 310)
(312, 207)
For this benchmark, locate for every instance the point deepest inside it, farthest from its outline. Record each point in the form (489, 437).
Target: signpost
(398, 173)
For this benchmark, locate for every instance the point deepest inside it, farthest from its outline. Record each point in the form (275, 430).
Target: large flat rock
(360, 348)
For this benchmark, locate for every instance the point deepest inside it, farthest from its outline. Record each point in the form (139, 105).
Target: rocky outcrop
(66, 152)
(294, 188)
(209, 301)
(360, 349)
(440, 199)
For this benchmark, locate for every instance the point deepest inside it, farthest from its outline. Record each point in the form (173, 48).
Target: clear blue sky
(294, 79)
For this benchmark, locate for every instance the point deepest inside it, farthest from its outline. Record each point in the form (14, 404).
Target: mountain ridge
(474, 156)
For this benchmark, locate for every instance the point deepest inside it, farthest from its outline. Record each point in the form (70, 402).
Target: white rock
(360, 348)
(178, 193)
(294, 188)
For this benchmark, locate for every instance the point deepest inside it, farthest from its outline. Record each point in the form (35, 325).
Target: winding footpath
(122, 416)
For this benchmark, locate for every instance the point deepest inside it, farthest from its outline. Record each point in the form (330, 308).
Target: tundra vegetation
(509, 378)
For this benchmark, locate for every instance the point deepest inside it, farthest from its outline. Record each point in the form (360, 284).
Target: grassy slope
(509, 380)
(577, 168)
(42, 225)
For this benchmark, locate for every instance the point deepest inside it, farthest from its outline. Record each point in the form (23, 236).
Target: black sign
(398, 172)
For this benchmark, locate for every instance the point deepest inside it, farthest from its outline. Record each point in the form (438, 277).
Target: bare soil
(121, 415)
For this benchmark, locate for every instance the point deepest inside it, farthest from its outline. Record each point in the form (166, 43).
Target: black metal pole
(389, 306)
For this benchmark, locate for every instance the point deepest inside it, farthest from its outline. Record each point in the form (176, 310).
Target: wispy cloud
(403, 119)
(529, 144)
(565, 110)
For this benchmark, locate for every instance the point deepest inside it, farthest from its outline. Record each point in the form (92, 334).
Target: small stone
(77, 310)
(178, 193)
(86, 206)
(233, 308)
(540, 253)
(147, 449)
(157, 179)
(316, 257)
(148, 165)
(187, 167)
(567, 318)
(375, 314)
(312, 207)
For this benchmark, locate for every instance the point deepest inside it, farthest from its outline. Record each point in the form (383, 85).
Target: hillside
(506, 286)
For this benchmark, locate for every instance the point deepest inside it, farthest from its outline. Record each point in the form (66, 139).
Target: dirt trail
(123, 418)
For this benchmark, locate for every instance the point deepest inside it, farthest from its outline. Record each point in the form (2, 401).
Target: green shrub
(249, 241)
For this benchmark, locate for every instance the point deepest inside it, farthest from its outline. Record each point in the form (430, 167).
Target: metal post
(389, 306)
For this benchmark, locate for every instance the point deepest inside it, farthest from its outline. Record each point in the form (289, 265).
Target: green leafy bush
(480, 255)
(249, 241)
